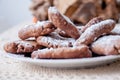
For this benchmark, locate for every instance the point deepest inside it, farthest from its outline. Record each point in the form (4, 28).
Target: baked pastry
(21, 46)
(107, 45)
(94, 31)
(62, 22)
(63, 53)
(50, 42)
(91, 22)
(35, 30)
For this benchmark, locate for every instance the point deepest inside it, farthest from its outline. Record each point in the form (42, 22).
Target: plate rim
(56, 60)
(66, 63)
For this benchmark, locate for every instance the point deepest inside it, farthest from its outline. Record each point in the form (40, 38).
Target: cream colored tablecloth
(11, 69)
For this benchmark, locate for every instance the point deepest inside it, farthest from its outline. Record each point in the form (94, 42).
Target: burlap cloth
(11, 69)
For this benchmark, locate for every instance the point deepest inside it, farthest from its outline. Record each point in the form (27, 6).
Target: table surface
(11, 69)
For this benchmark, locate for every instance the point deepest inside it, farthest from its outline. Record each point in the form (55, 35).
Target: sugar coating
(52, 10)
(68, 20)
(55, 43)
(95, 31)
(107, 45)
(101, 24)
(55, 11)
(63, 22)
(116, 30)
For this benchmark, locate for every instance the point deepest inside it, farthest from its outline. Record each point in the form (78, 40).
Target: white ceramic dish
(67, 63)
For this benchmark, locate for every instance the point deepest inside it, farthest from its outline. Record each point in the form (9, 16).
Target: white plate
(67, 63)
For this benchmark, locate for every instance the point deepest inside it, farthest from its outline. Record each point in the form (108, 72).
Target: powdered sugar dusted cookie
(95, 31)
(63, 53)
(51, 42)
(62, 22)
(91, 22)
(21, 46)
(35, 30)
(107, 45)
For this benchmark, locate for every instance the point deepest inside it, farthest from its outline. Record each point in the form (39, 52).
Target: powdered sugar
(108, 40)
(116, 30)
(40, 23)
(52, 42)
(26, 43)
(55, 11)
(100, 25)
(24, 29)
(108, 22)
(96, 30)
(107, 45)
(68, 20)
(52, 10)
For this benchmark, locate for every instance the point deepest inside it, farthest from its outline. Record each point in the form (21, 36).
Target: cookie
(96, 30)
(91, 22)
(63, 53)
(107, 45)
(35, 30)
(62, 22)
(21, 46)
(51, 42)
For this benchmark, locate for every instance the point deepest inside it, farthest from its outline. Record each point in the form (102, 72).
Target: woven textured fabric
(11, 69)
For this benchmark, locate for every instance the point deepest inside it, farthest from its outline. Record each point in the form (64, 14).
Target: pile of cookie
(59, 38)
(79, 11)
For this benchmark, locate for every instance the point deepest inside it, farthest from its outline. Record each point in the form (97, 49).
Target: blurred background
(13, 12)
